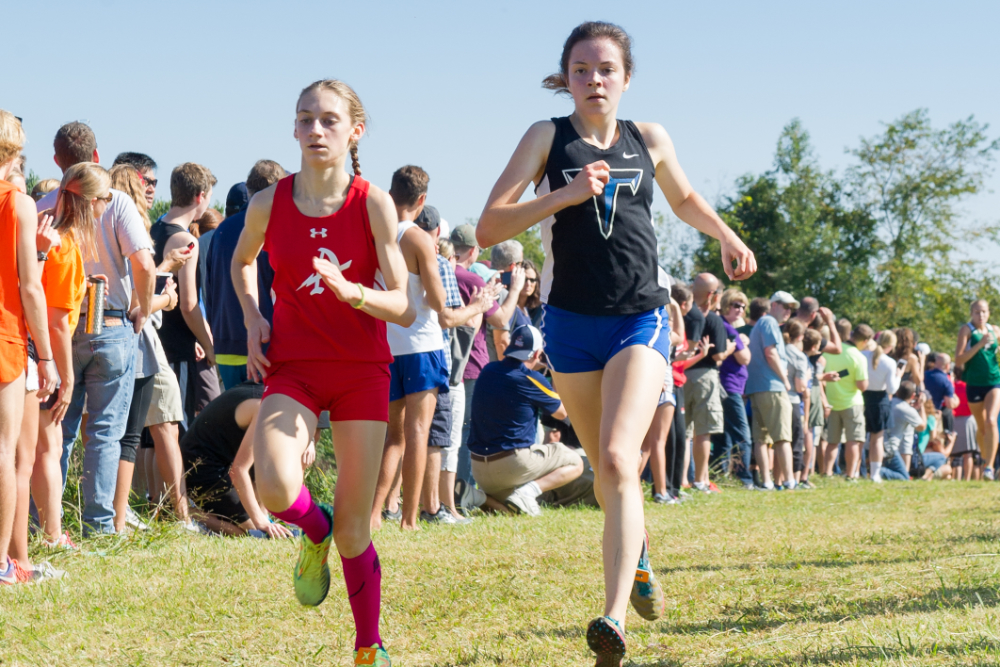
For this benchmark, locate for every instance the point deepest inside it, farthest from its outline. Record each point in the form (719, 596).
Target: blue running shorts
(583, 343)
(412, 373)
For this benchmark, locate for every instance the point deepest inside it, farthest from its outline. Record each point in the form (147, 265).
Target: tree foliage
(880, 244)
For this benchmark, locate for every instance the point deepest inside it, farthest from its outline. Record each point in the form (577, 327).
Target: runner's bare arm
(392, 304)
(691, 207)
(504, 218)
(244, 274)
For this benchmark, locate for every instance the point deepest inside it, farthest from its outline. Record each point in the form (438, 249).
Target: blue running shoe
(606, 638)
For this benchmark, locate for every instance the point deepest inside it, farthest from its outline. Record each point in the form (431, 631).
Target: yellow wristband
(362, 302)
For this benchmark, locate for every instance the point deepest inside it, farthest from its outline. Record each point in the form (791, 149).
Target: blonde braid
(354, 159)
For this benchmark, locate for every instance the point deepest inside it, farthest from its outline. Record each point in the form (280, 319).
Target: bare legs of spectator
(123, 487)
(654, 447)
(830, 453)
(409, 427)
(985, 414)
(171, 466)
(46, 477)
(431, 499)
(852, 457)
(11, 413)
(611, 411)
(701, 449)
(763, 455)
(876, 451)
(24, 463)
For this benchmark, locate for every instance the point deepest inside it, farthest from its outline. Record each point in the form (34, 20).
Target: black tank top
(177, 339)
(215, 437)
(601, 254)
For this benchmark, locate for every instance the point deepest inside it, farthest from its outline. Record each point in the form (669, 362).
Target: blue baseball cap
(237, 199)
(524, 342)
(483, 271)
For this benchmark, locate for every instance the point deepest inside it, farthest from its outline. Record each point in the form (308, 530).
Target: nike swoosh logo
(629, 157)
(632, 336)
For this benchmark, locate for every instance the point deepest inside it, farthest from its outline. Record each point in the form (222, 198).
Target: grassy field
(900, 574)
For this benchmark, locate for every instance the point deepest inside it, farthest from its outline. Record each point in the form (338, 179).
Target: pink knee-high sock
(307, 515)
(363, 577)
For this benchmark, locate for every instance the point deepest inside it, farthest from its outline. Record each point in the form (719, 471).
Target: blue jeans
(232, 375)
(893, 468)
(934, 460)
(735, 435)
(104, 366)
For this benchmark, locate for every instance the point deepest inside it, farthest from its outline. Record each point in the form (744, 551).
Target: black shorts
(877, 411)
(210, 488)
(440, 433)
(947, 420)
(977, 393)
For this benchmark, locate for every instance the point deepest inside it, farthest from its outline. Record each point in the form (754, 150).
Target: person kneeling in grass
(506, 462)
(218, 457)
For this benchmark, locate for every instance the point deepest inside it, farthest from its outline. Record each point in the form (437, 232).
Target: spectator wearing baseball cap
(506, 462)
(463, 237)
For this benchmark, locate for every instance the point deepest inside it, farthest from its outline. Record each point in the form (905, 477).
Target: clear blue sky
(452, 86)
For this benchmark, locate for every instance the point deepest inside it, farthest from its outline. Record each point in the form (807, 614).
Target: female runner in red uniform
(331, 238)
(604, 320)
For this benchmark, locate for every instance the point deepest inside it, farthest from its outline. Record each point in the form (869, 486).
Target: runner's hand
(341, 287)
(258, 335)
(733, 249)
(589, 182)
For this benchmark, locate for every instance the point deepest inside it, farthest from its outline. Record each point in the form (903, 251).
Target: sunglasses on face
(531, 280)
(738, 306)
(147, 180)
(106, 199)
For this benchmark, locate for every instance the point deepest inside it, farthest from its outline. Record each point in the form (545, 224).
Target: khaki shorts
(849, 423)
(772, 417)
(166, 406)
(703, 402)
(499, 477)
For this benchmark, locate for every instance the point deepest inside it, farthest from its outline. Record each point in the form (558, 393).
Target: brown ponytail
(355, 165)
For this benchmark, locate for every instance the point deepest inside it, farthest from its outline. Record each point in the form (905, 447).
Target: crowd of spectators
(127, 331)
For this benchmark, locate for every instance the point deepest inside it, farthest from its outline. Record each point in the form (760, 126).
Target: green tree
(530, 239)
(158, 209)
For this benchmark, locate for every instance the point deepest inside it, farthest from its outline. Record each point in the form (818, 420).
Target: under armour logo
(606, 222)
(315, 279)
(366, 656)
(313, 233)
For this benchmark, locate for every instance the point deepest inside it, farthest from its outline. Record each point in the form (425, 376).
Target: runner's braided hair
(354, 108)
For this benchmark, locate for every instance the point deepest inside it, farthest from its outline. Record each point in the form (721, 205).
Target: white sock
(876, 469)
(535, 490)
(769, 485)
(790, 484)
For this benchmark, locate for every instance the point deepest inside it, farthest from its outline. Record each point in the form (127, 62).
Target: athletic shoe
(787, 486)
(392, 516)
(375, 656)
(765, 488)
(713, 488)
(63, 543)
(647, 595)
(988, 474)
(133, 519)
(662, 499)
(683, 495)
(312, 574)
(524, 499)
(877, 479)
(606, 638)
(806, 484)
(43, 571)
(443, 515)
(14, 574)
(467, 496)
(748, 486)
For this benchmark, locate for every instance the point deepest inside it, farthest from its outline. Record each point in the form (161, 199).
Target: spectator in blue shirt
(506, 462)
(222, 306)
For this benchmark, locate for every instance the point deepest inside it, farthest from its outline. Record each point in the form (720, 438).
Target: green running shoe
(606, 638)
(312, 574)
(375, 656)
(647, 594)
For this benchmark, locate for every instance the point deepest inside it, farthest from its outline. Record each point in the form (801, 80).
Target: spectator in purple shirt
(733, 377)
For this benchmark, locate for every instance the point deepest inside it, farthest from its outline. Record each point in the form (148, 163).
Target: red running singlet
(310, 322)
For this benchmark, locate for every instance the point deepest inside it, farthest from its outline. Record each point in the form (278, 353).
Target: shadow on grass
(792, 565)
(855, 654)
(751, 618)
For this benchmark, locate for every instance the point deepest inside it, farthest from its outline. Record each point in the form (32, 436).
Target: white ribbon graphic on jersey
(316, 280)
(630, 178)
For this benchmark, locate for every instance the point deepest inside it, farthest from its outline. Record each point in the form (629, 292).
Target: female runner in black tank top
(602, 263)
